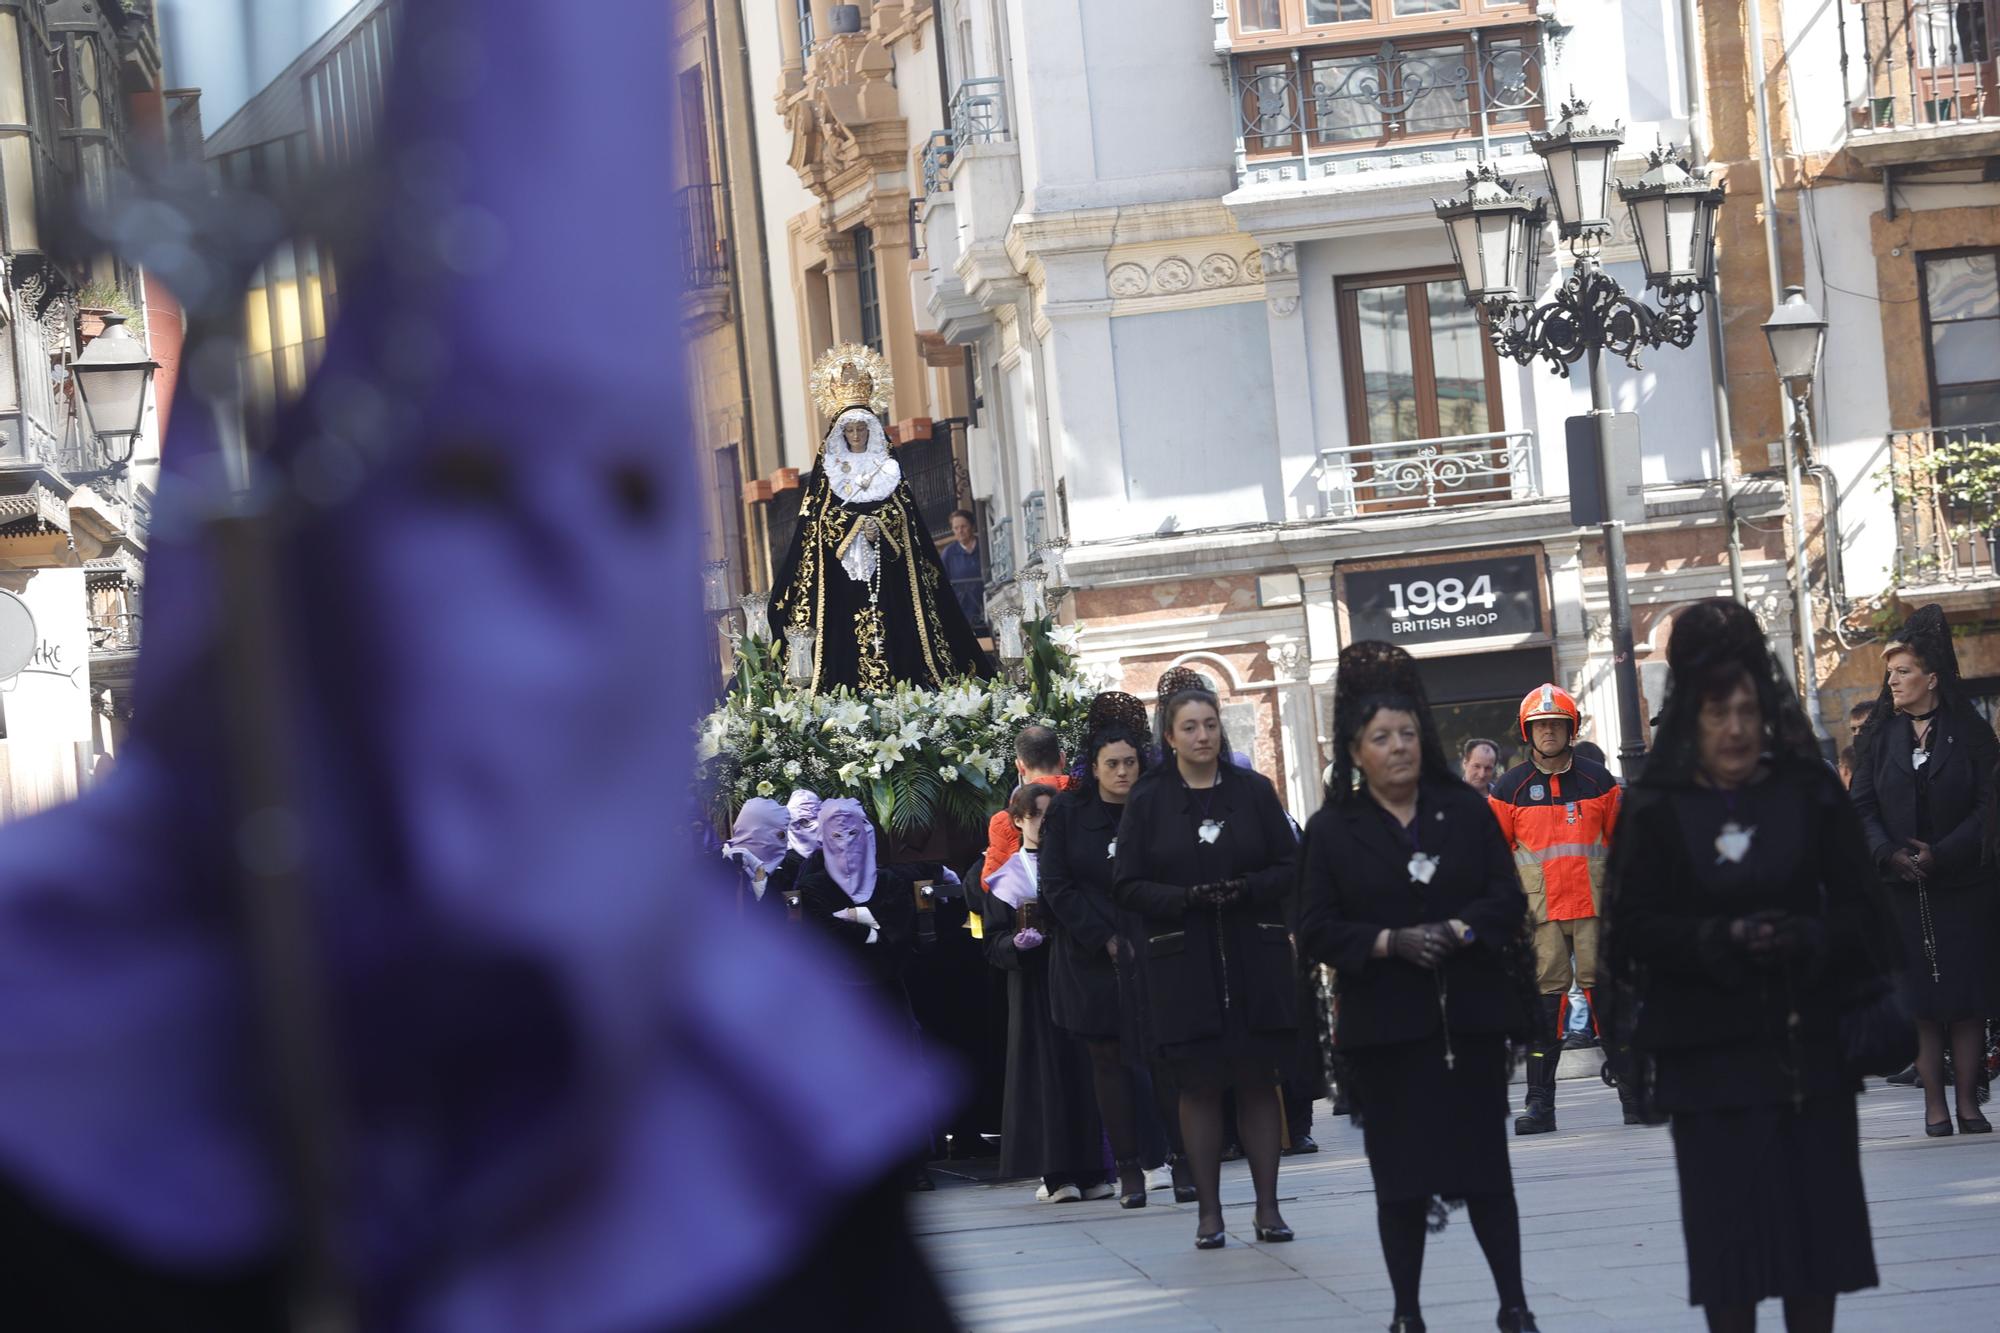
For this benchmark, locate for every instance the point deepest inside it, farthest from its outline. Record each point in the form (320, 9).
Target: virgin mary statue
(862, 577)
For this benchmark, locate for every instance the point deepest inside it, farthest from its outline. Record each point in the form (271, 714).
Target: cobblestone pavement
(1600, 1217)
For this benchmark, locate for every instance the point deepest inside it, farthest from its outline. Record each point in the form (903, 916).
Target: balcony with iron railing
(1919, 78)
(1945, 482)
(1461, 95)
(972, 189)
(114, 633)
(1409, 476)
(704, 236)
(704, 256)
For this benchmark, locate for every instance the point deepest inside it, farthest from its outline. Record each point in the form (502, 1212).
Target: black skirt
(1965, 922)
(1049, 1124)
(1429, 1129)
(1771, 1202)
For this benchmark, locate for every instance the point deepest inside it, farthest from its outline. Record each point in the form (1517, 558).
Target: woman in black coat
(1741, 922)
(1206, 856)
(1923, 779)
(1094, 978)
(1409, 892)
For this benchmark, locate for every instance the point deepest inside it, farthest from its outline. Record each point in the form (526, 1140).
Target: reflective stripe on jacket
(1559, 826)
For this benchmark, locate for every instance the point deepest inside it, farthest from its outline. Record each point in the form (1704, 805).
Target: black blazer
(1960, 774)
(1160, 857)
(1076, 881)
(1671, 905)
(1356, 883)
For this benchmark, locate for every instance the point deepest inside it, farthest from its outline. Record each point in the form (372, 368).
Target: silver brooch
(1210, 830)
(1733, 843)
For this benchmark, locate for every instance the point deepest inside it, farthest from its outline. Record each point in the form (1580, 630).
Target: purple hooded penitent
(565, 1058)
(802, 832)
(757, 839)
(847, 840)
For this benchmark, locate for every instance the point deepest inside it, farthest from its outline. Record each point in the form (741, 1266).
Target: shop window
(1961, 309)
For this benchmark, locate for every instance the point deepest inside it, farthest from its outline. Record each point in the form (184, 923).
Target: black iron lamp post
(1496, 234)
(1797, 335)
(111, 378)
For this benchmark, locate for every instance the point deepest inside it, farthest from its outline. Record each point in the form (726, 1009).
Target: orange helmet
(1545, 701)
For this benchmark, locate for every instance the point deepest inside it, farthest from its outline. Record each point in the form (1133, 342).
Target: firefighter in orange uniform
(1558, 812)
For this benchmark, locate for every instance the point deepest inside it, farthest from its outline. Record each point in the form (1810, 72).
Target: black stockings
(1403, 1224)
(1114, 1099)
(1968, 1056)
(1257, 1124)
(1497, 1224)
(1803, 1314)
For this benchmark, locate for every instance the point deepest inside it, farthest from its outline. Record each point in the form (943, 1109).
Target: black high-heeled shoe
(1408, 1323)
(1976, 1125)
(1128, 1170)
(1517, 1319)
(1212, 1240)
(1938, 1129)
(1272, 1235)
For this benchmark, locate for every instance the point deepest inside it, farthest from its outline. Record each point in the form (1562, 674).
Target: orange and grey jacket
(1559, 825)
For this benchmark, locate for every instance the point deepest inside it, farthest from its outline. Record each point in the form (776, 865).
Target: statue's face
(856, 435)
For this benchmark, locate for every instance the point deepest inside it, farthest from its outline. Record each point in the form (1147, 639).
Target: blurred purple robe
(564, 1058)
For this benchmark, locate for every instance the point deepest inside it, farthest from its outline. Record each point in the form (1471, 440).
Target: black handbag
(1876, 1034)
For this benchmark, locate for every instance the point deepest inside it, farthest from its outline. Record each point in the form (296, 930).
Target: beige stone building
(850, 107)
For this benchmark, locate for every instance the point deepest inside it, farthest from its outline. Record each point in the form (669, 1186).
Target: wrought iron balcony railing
(1343, 107)
(1946, 485)
(1426, 474)
(979, 112)
(1922, 63)
(704, 237)
(938, 153)
(114, 633)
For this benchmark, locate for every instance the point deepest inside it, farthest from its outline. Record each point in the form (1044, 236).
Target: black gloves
(1218, 895)
(1426, 946)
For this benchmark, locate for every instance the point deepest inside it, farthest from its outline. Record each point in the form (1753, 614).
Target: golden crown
(851, 375)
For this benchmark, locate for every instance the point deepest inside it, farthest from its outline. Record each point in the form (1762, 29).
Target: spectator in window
(962, 565)
(1478, 763)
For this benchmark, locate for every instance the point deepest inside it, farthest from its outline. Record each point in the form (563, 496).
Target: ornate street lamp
(1797, 335)
(1578, 154)
(1673, 215)
(1495, 235)
(111, 378)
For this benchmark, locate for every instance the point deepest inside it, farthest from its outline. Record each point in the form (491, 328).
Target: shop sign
(1489, 598)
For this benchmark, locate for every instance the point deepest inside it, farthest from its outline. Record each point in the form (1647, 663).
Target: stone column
(1291, 371)
(1298, 726)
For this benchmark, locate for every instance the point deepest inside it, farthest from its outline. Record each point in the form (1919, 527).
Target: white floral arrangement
(916, 758)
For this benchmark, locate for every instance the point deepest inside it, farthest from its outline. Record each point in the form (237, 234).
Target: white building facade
(1230, 392)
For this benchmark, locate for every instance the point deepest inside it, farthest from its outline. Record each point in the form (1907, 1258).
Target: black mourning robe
(924, 635)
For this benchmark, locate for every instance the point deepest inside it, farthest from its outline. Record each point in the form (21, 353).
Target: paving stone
(1601, 1240)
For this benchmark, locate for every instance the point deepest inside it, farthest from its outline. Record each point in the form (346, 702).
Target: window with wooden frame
(1432, 87)
(1257, 24)
(1424, 420)
(1961, 311)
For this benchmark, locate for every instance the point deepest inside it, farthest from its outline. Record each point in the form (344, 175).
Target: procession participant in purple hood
(756, 847)
(557, 1054)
